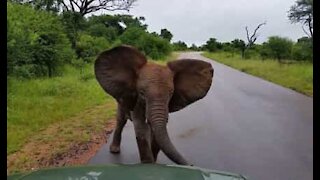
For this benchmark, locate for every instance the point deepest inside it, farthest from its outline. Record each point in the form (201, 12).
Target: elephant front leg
(121, 122)
(155, 148)
(143, 137)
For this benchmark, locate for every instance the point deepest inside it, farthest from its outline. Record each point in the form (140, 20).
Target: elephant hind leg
(121, 122)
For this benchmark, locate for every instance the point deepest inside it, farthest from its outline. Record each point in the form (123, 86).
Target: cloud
(197, 21)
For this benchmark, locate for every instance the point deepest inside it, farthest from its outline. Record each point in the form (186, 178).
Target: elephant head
(124, 73)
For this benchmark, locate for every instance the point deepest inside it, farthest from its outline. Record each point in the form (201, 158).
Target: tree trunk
(242, 53)
(49, 70)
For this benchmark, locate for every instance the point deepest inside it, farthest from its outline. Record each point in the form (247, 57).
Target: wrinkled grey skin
(147, 92)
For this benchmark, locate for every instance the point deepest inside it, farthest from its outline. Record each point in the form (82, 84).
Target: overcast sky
(195, 21)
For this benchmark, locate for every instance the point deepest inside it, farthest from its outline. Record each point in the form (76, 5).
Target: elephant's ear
(117, 70)
(192, 81)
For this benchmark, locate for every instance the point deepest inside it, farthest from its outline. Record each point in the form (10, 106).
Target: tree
(194, 47)
(73, 23)
(212, 45)
(302, 50)
(165, 34)
(88, 6)
(252, 39)
(265, 51)
(36, 44)
(113, 22)
(280, 47)
(47, 5)
(152, 45)
(240, 45)
(179, 46)
(88, 47)
(82, 7)
(302, 12)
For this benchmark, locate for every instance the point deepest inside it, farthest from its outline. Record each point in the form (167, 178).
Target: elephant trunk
(157, 115)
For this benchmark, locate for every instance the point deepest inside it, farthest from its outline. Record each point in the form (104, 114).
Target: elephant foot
(149, 161)
(115, 149)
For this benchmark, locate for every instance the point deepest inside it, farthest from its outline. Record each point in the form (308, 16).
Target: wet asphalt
(244, 125)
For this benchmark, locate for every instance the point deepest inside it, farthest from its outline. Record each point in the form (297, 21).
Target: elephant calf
(146, 93)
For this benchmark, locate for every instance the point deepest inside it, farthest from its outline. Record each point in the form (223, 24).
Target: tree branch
(72, 7)
(65, 6)
(247, 34)
(87, 6)
(305, 32)
(76, 3)
(253, 37)
(255, 31)
(310, 26)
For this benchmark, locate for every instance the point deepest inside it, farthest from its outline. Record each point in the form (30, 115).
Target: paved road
(244, 125)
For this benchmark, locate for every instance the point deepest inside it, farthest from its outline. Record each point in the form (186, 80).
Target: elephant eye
(141, 92)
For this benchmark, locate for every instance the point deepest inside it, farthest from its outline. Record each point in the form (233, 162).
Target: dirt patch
(82, 152)
(35, 156)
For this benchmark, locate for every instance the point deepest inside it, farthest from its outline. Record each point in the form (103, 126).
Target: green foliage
(47, 5)
(238, 44)
(179, 46)
(194, 47)
(88, 47)
(100, 30)
(303, 49)
(112, 24)
(226, 46)
(73, 23)
(166, 34)
(280, 48)
(213, 45)
(152, 45)
(36, 44)
(265, 51)
(301, 11)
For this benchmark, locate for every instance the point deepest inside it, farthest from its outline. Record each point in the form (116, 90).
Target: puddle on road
(189, 132)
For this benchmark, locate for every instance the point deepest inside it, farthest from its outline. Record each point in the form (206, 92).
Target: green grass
(297, 76)
(34, 104)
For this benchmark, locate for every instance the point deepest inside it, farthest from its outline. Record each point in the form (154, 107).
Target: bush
(179, 46)
(264, 51)
(100, 30)
(280, 48)
(36, 44)
(73, 23)
(213, 45)
(302, 50)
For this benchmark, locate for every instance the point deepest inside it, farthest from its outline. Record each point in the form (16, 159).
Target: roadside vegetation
(53, 99)
(294, 75)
